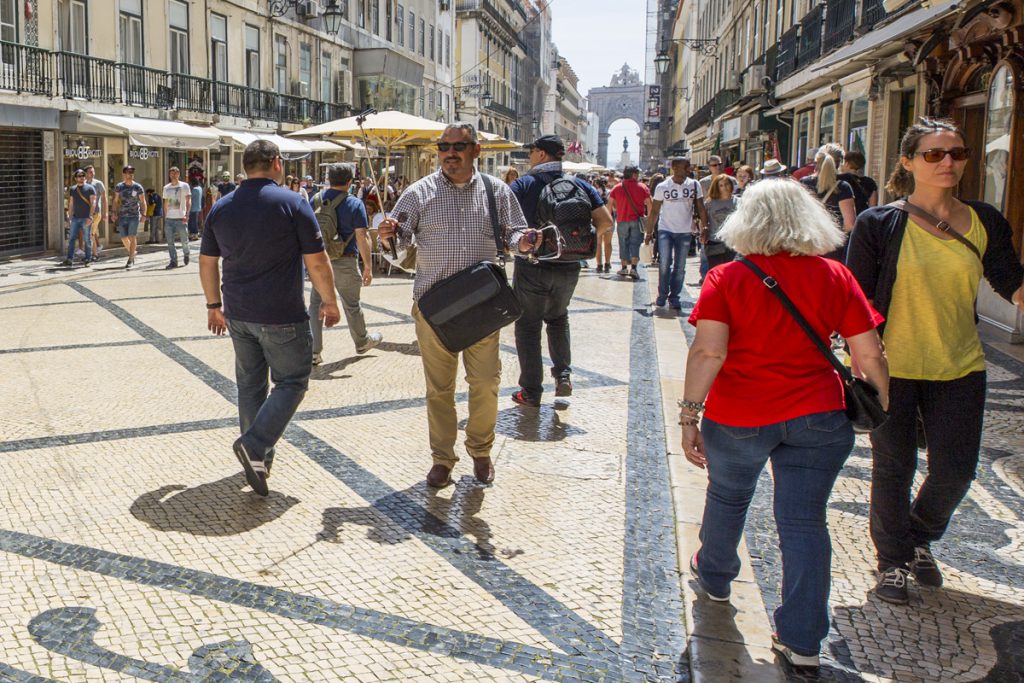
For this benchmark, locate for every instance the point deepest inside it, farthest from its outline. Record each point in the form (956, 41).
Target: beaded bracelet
(687, 421)
(695, 406)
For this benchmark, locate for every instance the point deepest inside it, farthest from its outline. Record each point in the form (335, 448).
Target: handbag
(475, 302)
(863, 407)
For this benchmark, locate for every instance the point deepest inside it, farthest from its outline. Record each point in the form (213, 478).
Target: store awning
(325, 146)
(290, 147)
(149, 132)
(890, 33)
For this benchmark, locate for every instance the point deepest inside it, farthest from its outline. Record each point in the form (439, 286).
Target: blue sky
(597, 36)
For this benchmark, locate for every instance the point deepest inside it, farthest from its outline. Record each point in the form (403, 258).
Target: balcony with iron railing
(488, 7)
(840, 19)
(725, 98)
(502, 110)
(25, 69)
(700, 117)
(871, 12)
(786, 58)
(810, 35)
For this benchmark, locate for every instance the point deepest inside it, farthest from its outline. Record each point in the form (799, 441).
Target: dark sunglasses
(934, 156)
(457, 146)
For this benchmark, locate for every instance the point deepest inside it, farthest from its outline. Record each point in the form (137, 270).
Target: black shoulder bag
(862, 404)
(475, 302)
(937, 223)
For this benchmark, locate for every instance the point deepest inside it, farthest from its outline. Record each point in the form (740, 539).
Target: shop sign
(730, 129)
(143, 153)
(82, 152)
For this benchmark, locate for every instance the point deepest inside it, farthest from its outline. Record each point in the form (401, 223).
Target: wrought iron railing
(786, 58)
(871, 12)
(810, 35)
(24, 68)
(86, 78)
(840, 18)
(502, 110)
(192, 93)
(144, 87)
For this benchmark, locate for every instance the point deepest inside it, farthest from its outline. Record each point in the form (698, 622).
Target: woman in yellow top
(920, 263)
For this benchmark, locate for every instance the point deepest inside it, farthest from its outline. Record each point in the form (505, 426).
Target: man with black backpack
(545, 287)
(343, 224)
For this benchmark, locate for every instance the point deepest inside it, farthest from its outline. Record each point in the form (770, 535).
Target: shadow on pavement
(327, 370)
(220, 508)
(534, 424)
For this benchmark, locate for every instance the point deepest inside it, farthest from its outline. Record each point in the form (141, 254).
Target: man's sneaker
(584, 264)
(521, 398)
(924, 569)
(633, 274)
(318, 358)
(86, 263)
(373, 339)
(66, 263)
(700, 582)
(186, 259)
(563, 387)
(171, 266)
(659, 303)
(255, 470)
(623, 271)
(892, 586)
(795, 660)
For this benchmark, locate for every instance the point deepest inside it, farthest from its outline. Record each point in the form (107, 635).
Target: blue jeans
(175, 227)
(128, 226)
(284, 350)
(806, 454)
(83, 226)
(673, 248)
(193, 223)
(631, 236)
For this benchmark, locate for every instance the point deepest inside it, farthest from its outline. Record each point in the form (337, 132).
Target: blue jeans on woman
(806, 454)
(673, 248)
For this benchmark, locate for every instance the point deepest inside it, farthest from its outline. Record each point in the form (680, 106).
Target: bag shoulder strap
(938, 224)
(629, 198)
(492, 209)
(824, 200)
(787, 303)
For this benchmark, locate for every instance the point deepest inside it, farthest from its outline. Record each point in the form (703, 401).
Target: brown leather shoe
(483, 468)
(439, 476)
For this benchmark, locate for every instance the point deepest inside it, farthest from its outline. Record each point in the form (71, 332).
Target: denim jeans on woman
(285, 353)
(806, 454)
(631, 236)
(953, 413)
(673, 248)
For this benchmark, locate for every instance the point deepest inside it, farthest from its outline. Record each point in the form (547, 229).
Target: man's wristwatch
(213, 306)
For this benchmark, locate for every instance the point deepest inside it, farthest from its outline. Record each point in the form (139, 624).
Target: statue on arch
(625, 77)
(625, 144)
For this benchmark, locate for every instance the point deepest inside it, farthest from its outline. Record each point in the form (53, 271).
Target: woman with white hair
(768, 393)
(836, 194)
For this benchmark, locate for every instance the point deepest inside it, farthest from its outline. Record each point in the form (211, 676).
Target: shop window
(857, 139)
(803, 133)
(979, 80)
(997, 136)
(826, 124)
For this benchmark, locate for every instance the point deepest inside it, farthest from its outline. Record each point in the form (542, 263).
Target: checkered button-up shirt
(452, 225)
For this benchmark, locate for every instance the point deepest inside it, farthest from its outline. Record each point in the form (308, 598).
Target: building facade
(782, 77)
(181, 82)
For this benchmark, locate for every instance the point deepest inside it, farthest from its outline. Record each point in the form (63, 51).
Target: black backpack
(565, 205)
(860, 197)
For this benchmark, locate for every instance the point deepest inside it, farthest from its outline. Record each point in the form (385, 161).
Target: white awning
(325, 146)
(797, 101)
(890, 33)
(150, 132)
(288, 146)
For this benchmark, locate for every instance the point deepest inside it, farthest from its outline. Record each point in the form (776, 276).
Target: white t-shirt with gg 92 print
(677, 204)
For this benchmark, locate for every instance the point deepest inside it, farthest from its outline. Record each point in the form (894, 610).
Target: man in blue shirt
(353, 232)
(80, 207)
(545, 288)
(265, 234)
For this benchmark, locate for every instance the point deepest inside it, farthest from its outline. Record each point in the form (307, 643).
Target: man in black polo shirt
(265, 233)
(545, 288)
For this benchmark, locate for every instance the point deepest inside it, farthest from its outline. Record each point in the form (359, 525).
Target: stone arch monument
(623, 98)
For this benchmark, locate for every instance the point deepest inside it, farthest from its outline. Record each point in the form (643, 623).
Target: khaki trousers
(483, 373)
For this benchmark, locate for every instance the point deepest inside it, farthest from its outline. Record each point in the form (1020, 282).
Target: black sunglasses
(457, 146)
(934, 156)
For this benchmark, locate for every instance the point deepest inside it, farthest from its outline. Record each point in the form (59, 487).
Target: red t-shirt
(772, 371)
(623, 209)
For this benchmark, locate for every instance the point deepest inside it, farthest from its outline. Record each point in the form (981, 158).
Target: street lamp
(334, 12)
(661, 63)
(486, 98)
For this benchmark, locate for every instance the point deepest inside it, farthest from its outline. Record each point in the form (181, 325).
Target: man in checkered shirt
(447, 212)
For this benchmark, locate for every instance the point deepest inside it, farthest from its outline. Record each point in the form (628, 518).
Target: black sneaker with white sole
(255, 470)
(563, 387)
(805, 663)
(892, 586)
(924, 569)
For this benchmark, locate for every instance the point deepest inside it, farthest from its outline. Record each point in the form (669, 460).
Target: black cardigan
(874, 251)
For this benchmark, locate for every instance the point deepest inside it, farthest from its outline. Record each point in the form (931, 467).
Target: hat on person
(552, 144)
(226, 175)
(79, 172)
(309, 177)
(127, 168)
(773, 167)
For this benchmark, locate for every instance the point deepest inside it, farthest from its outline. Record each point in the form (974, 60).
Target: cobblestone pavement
(971, 630)
(131, 548)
